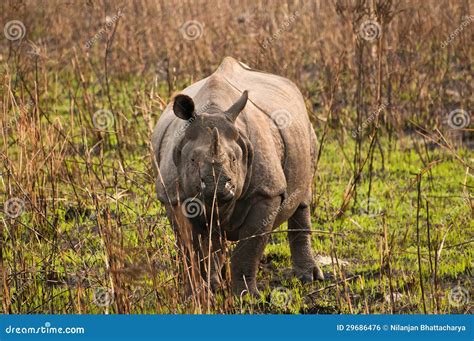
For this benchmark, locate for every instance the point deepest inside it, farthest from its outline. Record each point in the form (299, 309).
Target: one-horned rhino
(235, 154)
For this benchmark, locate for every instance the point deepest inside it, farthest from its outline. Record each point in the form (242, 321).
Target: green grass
(91, 222)
(362, 246)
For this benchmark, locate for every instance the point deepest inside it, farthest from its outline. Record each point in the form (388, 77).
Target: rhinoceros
(235, 154)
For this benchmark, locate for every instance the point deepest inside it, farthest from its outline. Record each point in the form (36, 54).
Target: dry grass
(91, 237)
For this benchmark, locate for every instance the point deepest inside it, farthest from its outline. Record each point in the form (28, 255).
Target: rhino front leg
(299, 236)
(248, 253)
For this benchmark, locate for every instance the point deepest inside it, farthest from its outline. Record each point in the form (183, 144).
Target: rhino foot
(318, 273)
(313, 274)
(240, 288)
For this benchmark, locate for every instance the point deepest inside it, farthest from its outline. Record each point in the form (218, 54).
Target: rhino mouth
(229, 193)
(230, 188)
(223, 194)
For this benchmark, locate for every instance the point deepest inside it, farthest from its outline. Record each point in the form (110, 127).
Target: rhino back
(293, 141)
(283, 154)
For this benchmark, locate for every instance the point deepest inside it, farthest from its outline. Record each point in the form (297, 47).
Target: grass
(392, 209)
(92, 232)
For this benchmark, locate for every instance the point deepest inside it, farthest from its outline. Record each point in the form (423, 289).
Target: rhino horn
(237, 107)
(215, 149)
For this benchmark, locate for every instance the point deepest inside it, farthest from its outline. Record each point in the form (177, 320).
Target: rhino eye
(193, 160)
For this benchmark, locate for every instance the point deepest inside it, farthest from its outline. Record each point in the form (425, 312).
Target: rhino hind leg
(304, 264)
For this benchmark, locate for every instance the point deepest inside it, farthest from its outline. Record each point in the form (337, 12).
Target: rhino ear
(237, 107)
(183, 107)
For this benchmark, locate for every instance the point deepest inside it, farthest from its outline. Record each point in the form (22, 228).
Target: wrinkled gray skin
(241, 143)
